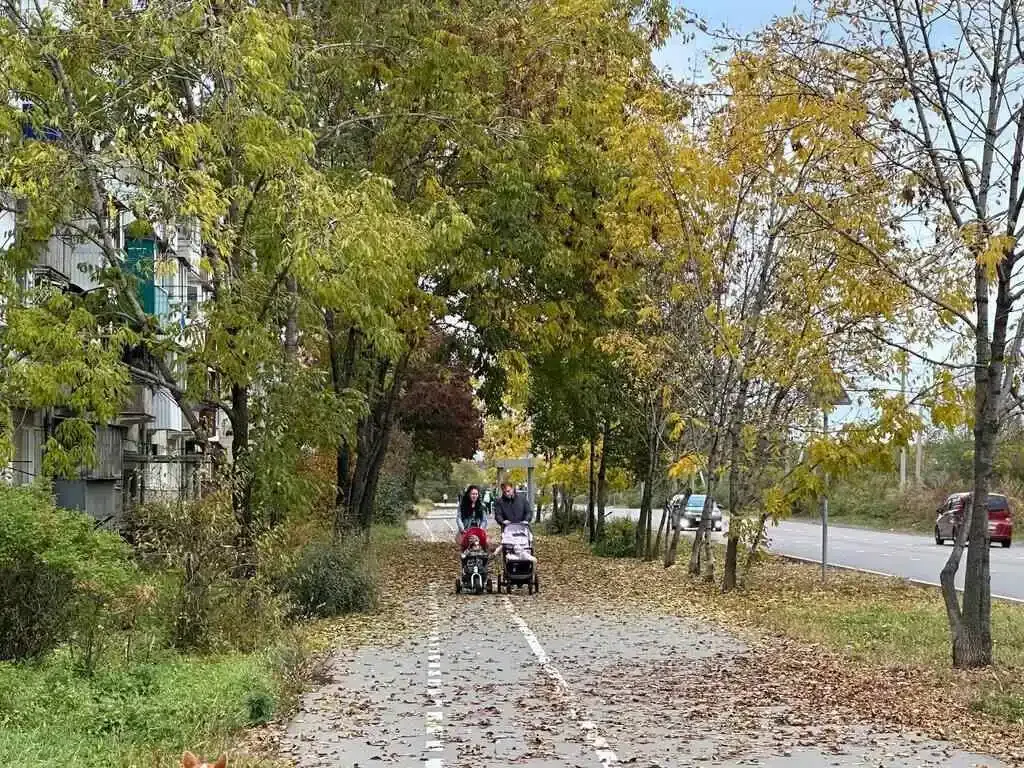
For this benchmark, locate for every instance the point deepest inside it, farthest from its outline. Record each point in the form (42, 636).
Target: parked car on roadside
(691, 515)
(950, 516)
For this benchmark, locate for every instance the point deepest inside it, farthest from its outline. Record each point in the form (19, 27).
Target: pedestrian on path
(472, 512)
(512, 507)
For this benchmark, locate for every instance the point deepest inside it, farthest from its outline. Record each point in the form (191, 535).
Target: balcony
(140, 260)
(139, 409)
(57, 258)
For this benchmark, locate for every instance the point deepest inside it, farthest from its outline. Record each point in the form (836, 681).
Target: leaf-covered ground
(860, 644)
(403, 567)
(835, 670)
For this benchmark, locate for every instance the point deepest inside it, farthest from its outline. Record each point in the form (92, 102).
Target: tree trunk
(374, 440)
(972, 628)
(733, 542)
(241, 482)
(367, 503)
(675, 522)
(591, 497)
(752, 552)
(343, 360)
(947, 580)
(661, 528)
(702, 539)
(602, 487)
(642, 525)
(972, 640)
(731, 556)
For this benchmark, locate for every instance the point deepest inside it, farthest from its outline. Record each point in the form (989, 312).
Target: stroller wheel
(536, 583)
(529, 588)
(458, 586)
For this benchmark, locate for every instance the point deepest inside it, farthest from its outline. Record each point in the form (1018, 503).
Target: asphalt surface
(535, 681)
(905, 555)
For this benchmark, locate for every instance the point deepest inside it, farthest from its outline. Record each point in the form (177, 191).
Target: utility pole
(903, 449)
(842, 399)
(824, 507)
(919, 460)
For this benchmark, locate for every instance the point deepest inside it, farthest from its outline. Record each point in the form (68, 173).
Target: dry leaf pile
(802, 667)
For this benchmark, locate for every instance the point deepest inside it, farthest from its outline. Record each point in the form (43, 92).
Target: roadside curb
(917, 582)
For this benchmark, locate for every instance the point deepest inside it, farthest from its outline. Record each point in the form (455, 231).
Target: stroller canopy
(480, 533)
(517, 533)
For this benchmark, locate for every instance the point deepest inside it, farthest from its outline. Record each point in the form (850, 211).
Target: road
(905, 555)
(561, 679)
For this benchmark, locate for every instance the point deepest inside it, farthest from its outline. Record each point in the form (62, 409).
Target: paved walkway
(526, 681)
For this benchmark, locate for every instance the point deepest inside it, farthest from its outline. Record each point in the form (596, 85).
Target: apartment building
(149, 452)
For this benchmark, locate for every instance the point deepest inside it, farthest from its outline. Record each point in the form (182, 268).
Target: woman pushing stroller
(472, 511)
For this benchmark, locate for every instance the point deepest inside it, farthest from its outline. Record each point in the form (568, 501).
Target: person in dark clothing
(511, 507)
(472, 512)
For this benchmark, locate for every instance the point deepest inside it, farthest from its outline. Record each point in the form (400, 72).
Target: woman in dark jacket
(472, 512)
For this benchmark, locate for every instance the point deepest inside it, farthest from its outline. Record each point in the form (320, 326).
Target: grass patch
(872, 617)
(1005, 706)
(145, 714)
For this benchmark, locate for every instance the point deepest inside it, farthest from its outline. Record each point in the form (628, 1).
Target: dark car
(691, 514)
(950, 516)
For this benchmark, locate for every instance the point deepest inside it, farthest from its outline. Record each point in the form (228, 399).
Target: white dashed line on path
(602, 749)
(430, 531)
(434, 745)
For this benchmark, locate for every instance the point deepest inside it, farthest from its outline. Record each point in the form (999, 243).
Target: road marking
(434, 715)
(920, 582)
(430, 533)
(605, 755)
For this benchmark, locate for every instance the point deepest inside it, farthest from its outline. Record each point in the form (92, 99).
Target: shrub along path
(617, 662)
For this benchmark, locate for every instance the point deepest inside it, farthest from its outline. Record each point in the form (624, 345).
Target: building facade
(148, 453)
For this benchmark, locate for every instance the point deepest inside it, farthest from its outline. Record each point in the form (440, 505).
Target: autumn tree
(203, 125)
(750, 305)
(946, 124)
(439, 411)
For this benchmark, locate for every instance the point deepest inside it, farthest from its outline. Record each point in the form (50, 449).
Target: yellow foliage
(996, 250)
(687, 465)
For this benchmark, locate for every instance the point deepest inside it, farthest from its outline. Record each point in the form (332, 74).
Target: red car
(950, 515)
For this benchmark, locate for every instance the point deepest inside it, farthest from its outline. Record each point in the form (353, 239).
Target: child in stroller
(474, 562)
(518, 564)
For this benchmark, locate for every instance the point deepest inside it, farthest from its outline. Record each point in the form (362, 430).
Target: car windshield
(696, 501)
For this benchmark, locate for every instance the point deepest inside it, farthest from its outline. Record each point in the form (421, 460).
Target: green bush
(204, 607)
(561, 522)
(333, 579)
(391, 504)
(59, 576)
(875, 500)
(619, 539)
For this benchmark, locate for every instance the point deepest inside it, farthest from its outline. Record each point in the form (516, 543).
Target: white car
(694, 509)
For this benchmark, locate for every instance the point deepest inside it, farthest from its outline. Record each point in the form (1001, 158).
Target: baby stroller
(518, 565)
(473, 568)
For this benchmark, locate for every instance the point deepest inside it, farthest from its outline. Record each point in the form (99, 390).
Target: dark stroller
(518, 565)
(474, 573)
